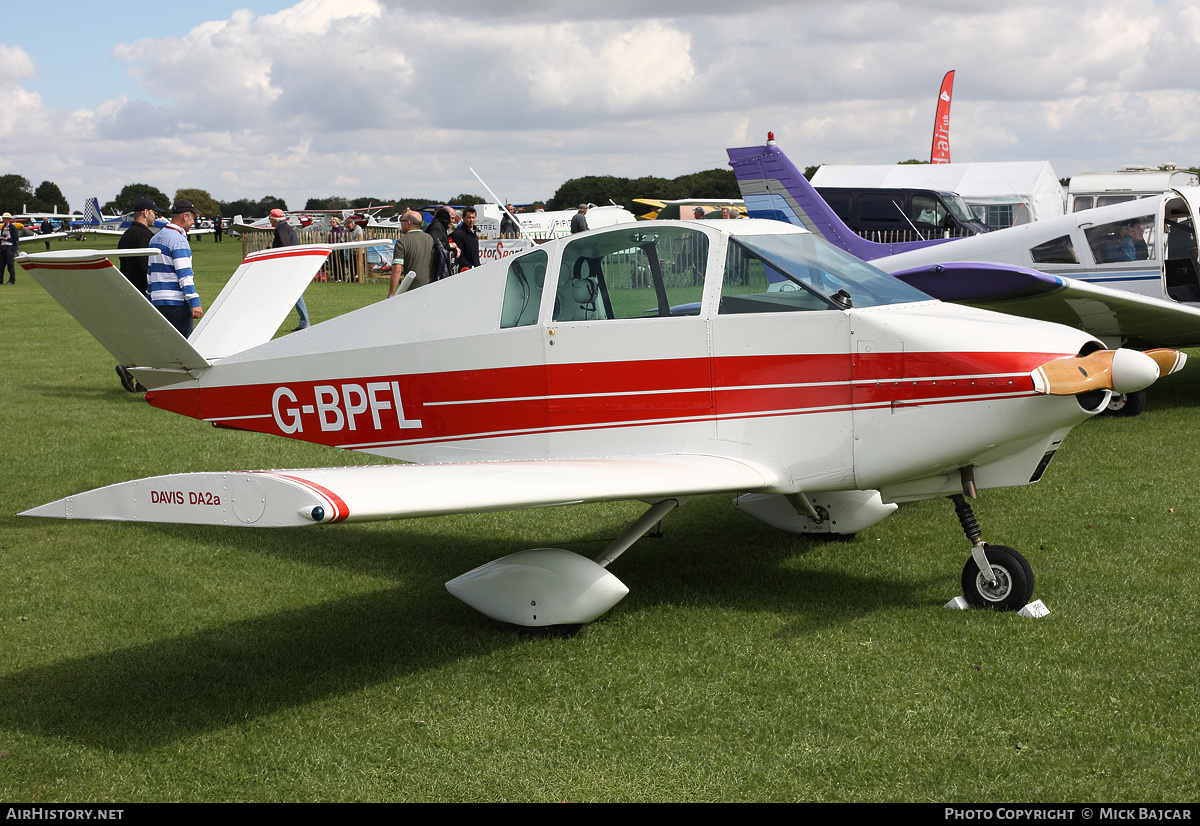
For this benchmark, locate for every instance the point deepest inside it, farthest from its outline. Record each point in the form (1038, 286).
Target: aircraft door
(1181, 266)
(626, 351)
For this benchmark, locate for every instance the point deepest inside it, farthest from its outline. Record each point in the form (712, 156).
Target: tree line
(17, 196)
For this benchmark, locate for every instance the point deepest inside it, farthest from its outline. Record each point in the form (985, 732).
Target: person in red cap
(285, 236)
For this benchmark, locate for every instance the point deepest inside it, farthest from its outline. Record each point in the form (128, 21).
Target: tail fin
(256, 300)
(773, 187)
(91, 212)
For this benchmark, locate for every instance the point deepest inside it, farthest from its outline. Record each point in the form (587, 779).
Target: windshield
(815, 271)
(959, 207)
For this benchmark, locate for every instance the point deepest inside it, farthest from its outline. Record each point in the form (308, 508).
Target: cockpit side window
(523, 290)
(1055, 251)
(1128, 240)
(632, 274)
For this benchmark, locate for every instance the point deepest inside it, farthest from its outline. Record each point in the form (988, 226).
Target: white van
(1097, 189)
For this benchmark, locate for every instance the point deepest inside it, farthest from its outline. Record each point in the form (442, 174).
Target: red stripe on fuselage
(466, 404)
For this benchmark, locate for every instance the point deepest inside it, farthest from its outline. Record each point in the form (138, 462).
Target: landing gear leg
(995, 576)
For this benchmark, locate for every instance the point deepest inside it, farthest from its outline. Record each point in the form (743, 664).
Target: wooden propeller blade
(1066, 377)
(1122, 371)
(1168, 361)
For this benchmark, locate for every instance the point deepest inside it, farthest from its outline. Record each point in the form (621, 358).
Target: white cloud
(388, 97)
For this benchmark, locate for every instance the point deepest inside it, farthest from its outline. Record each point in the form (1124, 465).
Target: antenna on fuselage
(503, 211)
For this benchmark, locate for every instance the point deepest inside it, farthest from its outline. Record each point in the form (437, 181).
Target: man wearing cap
(134, 267)
(285, 236)
(138, 237)
(579, 220)
(9, 240)
(169, 276)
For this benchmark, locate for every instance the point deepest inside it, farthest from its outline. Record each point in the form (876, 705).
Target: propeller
(1122, 371)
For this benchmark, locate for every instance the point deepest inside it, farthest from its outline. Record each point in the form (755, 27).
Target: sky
(388, 98)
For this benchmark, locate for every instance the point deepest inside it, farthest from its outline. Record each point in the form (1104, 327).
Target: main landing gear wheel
(1126, 404)
(1012, 587)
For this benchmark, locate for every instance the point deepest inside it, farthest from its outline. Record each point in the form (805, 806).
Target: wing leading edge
(291, 498)
(1114, 315)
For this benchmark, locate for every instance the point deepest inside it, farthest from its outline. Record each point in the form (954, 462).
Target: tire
(1014, 581)
(1126, 404)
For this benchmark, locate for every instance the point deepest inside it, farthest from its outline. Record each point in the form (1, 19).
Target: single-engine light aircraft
(651, 362)
(1128, 273)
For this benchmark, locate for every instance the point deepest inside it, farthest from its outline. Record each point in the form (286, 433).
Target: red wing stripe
(268, 254)
(340, 508)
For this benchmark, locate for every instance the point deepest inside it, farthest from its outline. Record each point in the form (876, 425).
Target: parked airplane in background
(822, 389)
(545, 226)
(683, 208)
(94, 220)
(306, 219)
(1127, 274)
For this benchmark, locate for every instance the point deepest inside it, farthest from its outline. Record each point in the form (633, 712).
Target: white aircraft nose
(1132, 371)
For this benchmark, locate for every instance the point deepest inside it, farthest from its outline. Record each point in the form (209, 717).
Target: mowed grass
(172, 663)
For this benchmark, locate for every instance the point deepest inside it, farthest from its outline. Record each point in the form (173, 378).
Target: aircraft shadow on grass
(141, 697)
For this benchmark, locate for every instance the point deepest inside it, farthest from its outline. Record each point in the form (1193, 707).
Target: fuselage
(579, 348)
(1146, 247)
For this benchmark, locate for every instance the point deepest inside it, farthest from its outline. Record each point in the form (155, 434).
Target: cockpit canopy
(661, 272)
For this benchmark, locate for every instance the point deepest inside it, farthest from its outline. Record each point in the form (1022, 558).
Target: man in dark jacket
(137, 237)
(10, 238)
(466, 238)
(134, 267)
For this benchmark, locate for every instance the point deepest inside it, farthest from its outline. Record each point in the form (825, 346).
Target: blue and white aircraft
(1128, 273)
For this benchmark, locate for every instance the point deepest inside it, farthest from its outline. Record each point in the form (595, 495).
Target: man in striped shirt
(169, 276)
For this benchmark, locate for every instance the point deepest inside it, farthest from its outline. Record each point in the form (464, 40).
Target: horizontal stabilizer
(288, 498)
(113, 310)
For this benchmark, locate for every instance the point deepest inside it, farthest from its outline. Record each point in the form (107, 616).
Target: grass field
(168, 663)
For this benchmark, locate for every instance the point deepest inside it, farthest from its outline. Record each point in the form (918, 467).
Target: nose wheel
(1010, 586)
(995, 576)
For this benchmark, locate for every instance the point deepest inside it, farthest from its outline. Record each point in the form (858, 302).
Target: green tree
(809, 171)
(131, 192)
(910, 160)
(592, 189)
(332, 202)
(270, 202)
(711, 183)
(200, 199)
(51, 196)
(14, 193)
(466, 199)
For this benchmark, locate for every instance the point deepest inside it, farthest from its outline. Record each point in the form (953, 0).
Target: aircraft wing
(1104, 312)
(49, 236)
(292, 498)
(98, 231)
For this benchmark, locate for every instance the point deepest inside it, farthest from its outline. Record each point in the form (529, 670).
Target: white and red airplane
(653, 362)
